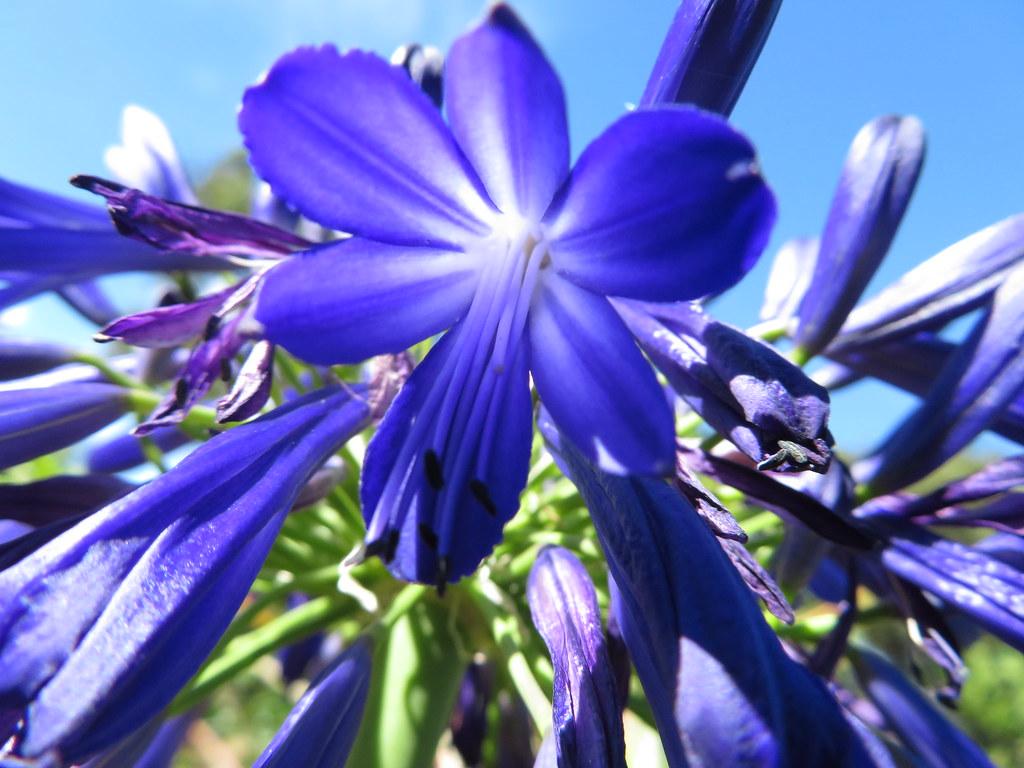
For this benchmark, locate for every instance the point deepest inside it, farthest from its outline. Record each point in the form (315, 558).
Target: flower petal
(507, 110)
(596, 384)
(187, 229)
(352, 143)
(742, 387)
(347, 301)
(985, 589)
(666, 204)
(170, 325)
(443, 473)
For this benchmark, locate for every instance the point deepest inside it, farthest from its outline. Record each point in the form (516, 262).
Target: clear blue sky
(68, 68)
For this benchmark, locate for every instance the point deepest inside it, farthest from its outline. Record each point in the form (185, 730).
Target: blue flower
(480, 227)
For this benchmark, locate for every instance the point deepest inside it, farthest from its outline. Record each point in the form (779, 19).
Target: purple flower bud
(722, 689)
(321, 728)
(766, 406)
(709, 52)
(965, 577)
(874, 190)
(35, 422)
(935, 741)
(100, 627)
(514, 733)
(587, 716)
(983, 377)
(125, 451)
(188, 230)
(299, 656)
(957, 280)
(469, 718)
(24, 357)
(57, 498)
(910, 363)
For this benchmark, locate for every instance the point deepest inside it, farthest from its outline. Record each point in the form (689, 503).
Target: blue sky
(829, 67)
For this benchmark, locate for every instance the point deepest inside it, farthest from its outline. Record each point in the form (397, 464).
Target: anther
(212, 326)
(428, 535)
(483, 495)
(392, 546)
(432, 467)
(442, 575)
(180, 393)
(225, 370)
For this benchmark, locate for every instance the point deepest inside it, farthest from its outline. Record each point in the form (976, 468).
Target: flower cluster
(354, 367)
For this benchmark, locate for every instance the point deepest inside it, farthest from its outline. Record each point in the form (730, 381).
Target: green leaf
(417, 668)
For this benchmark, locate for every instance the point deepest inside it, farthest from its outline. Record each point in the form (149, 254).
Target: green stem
(239, 653)
(505, 625)
(107, 370)
(197, 423)
(770, 330)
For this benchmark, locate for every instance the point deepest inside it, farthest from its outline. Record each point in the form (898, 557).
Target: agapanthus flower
(480, 227)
